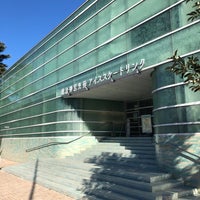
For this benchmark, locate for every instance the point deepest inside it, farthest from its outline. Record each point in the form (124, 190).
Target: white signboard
(146, 124)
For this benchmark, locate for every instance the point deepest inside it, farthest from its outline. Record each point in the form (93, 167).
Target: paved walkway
(15, 188)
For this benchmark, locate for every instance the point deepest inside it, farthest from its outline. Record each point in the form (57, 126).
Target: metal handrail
(181, 150)
(54, 143)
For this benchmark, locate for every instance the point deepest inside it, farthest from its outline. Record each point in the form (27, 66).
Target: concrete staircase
(113, 169)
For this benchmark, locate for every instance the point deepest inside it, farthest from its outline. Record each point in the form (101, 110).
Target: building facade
(102, 72)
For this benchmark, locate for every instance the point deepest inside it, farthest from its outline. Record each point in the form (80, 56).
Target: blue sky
(24, 23)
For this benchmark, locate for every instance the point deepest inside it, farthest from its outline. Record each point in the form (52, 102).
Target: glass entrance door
(139, 118)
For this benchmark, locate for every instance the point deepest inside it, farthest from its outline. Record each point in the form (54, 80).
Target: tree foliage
(188, 69)
(195, 13)
(2, 57)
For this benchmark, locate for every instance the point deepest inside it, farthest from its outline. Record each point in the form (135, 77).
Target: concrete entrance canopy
(129, 88)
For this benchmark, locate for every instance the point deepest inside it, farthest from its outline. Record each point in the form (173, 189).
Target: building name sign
(123, 71)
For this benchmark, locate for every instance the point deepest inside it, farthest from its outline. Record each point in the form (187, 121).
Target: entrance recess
(135, 93)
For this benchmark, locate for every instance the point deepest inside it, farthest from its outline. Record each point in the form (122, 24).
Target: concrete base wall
(179, 154)
(15, 148)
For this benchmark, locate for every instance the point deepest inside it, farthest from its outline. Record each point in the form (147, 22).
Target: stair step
(113, 192)
(124, 144)
(54, 180)
(115, 146)
(128, 139)
(88, 170)
(114, 155)
(78, 175)
(114, 168)
(139, 185)
(122, 148)
(185, 191)
(124, 164)
(68, 187)
(102, 159)
(91, 197)
(74, 178)
(106, 194)
(105, 162)
(147, 177)
(127, 152)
